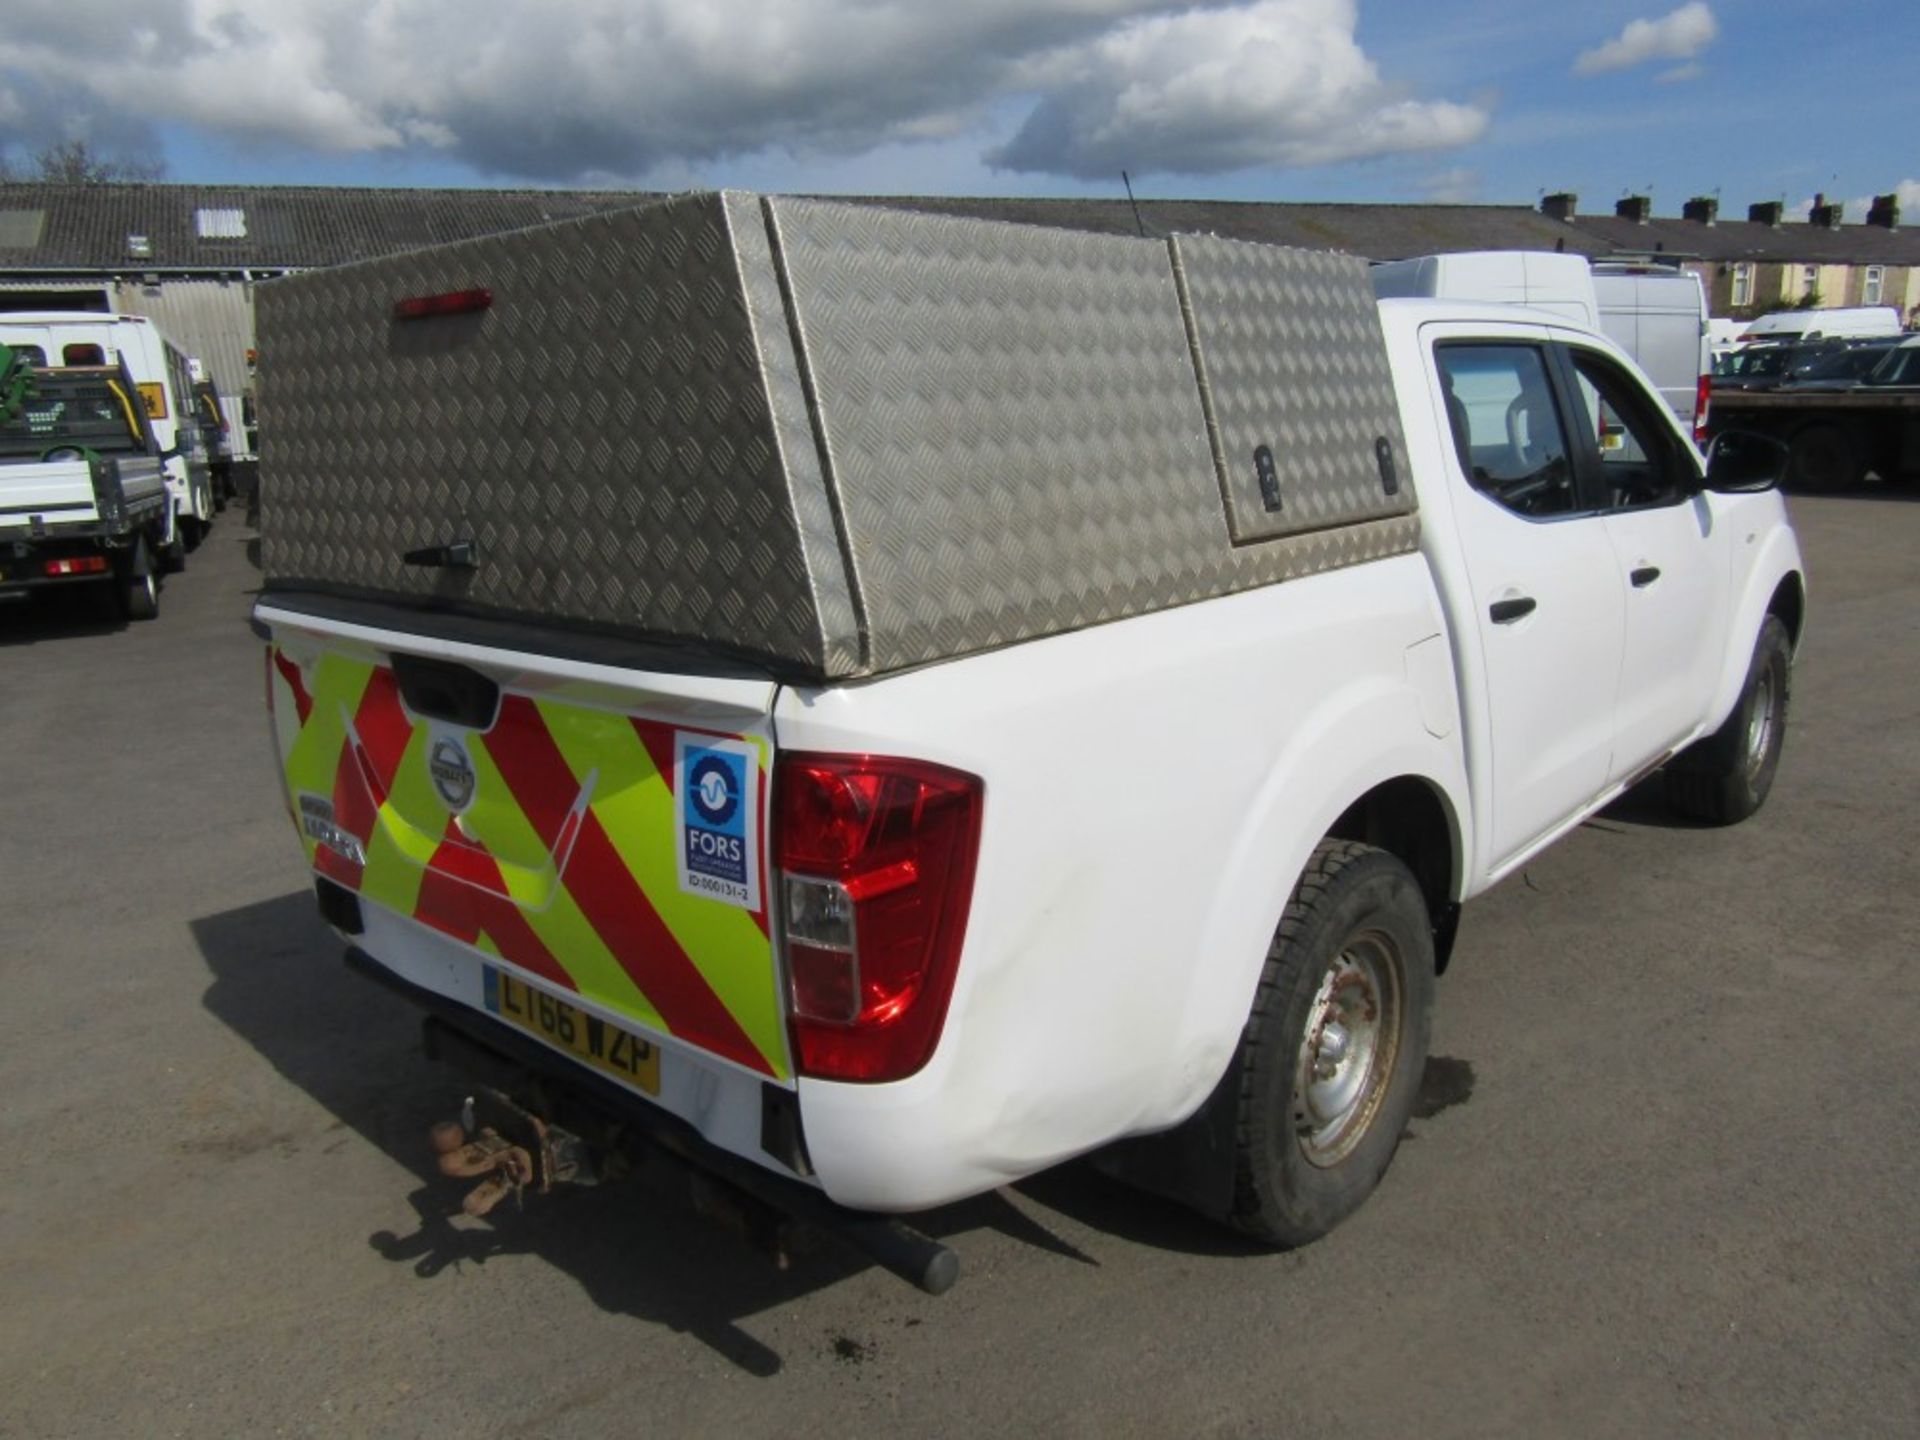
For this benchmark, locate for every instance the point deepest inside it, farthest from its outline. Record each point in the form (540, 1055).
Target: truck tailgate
(582, 832)
(58, 490)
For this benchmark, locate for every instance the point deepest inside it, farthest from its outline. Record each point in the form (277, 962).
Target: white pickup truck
(83, 499)
(889, 703)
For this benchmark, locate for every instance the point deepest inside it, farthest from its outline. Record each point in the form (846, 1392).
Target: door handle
(1643, 576)
(1505, 612)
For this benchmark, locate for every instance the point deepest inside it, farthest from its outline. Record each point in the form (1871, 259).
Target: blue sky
(1258, 99)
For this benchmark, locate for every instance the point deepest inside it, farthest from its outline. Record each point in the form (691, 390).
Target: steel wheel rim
(1760, 723)
(1347, 1055)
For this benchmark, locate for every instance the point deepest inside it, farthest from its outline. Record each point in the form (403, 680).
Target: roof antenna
(1139, 224)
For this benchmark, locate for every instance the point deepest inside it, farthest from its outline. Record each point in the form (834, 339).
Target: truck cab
(1593, 583)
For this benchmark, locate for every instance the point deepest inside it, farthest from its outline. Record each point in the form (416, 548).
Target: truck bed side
(1153, 790)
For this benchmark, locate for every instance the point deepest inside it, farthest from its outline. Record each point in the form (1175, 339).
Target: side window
(78, 354)
(1625, 429)
(32, 354)
(1506, 428)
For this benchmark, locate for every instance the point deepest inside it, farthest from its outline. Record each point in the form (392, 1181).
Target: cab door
(1670, 553)
(1547, 608)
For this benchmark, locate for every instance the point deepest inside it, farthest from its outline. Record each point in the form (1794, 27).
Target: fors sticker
(717, 818)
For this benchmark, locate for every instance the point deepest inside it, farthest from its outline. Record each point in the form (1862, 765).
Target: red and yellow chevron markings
(562, 864)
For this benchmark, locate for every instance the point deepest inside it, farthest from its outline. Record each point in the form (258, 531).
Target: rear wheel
(1823, 457)
(1332, 1054)
(139, 587)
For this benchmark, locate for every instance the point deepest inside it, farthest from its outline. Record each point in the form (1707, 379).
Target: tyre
(1823, 458)
(138, 587)
(173, 552)
(1725, 777)
(1331, 1058)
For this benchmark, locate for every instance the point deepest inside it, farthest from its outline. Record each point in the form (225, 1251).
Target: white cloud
(1680, 74)
(1678, 36)
(623, 87)
(1906, 195)
(1274, 82)
(1458, 186)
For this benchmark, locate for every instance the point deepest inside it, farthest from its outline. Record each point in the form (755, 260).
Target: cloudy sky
(1485, 100)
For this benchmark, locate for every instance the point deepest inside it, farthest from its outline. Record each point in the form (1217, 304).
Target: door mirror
(1743, 462)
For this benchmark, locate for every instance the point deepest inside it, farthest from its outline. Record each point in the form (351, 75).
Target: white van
(160, 372)
(1540, 279)
(1657, 314)
(1842, 322)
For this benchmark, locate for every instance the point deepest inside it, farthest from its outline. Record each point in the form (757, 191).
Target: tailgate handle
(454, 555)
(1644, 576)
(442, 690)
(1505, 612)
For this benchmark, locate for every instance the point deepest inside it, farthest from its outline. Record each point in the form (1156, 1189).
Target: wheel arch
(1410, 819)
(1775, 584)
(1789, 603)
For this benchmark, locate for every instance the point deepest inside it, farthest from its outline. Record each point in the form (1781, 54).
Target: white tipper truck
(162, 377)
(83, 500)
(886, 703)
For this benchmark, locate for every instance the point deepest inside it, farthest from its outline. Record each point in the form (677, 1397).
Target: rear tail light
(452, 302)
(1702, 397)
(78, 565)
(876, 859)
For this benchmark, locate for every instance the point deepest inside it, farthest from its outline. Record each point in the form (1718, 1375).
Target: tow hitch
(508, 1149)
(511, 1150)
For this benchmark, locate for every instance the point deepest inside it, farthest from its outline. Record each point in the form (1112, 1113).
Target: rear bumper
(23, 560)
(476, 1041)
(724, 1105)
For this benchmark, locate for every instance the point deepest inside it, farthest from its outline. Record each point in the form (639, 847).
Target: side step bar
(491, 1052)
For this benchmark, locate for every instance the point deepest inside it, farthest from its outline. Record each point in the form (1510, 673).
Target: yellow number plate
(596, 1042)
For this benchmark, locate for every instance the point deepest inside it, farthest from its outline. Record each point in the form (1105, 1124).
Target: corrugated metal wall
(211, 319)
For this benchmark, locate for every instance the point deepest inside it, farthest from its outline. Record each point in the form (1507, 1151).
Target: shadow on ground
(635, 1246)
(1645, 804)
(59, 612)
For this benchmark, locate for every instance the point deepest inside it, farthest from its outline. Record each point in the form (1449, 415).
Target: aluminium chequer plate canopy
(834, 438)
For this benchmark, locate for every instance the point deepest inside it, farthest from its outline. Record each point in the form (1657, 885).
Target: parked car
(1837, 369)
(1011, 694)
(1899, 368)
(1756, 366)
(1832, 323)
